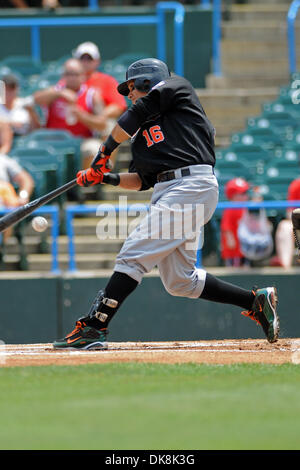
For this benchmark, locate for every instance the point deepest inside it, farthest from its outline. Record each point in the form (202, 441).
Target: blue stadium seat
(25, 65)
(39, 157)
(58, 141)
(266, 137)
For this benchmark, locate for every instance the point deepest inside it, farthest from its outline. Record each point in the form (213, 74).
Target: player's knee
(179, 289)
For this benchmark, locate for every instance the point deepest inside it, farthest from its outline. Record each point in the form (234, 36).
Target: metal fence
(291, 17)
(35, 24)
(71, 211)
(53, 212)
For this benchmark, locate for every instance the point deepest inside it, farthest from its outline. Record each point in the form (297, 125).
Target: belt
(173, 174)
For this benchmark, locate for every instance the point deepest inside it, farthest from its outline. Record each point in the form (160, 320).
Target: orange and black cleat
(83, 337)
(264, 312)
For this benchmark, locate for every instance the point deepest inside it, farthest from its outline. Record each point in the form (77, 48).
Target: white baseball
(39, 224)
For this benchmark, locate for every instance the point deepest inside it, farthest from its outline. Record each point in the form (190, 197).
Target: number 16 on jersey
(153, 136)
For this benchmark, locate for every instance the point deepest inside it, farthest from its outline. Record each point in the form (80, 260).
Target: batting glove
(101, 161)
(89, 177)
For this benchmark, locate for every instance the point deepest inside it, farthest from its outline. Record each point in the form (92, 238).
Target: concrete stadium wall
(35, 310)
(116, 40)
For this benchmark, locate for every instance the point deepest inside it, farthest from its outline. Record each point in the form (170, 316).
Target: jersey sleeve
(155, 103)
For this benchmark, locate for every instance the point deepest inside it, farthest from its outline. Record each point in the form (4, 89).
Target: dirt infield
(207, 352)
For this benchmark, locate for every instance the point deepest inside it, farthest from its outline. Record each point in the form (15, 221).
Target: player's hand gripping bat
(19, 214)
(296, 229)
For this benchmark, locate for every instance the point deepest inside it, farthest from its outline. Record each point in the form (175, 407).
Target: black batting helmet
(146, 73)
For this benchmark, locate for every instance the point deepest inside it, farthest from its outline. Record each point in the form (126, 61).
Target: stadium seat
(44, 80)
(284, 104)
(57, 65)
(252, 157)
(279, 183)
(58, 141)
(293, 141)
(282, 167)
(25, 65)
(234, 167)
(39, 176)
(266, 137)
(251, 153)
(121, 62)
(50, 134)
(43, 159)
(290, 153)
(281, 122)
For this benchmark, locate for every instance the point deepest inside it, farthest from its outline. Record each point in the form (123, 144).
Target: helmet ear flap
(146, 85)
(142, 84)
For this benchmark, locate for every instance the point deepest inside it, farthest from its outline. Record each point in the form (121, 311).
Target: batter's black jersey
(173, 131)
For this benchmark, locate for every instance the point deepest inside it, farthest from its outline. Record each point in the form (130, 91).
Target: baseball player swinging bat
(296, 229)
(19, 214)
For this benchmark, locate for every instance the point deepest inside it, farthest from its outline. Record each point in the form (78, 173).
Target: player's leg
(260, 304)
(91, 330)
(141, 251)
(181, 278)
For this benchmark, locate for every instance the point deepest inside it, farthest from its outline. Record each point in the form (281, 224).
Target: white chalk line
(134, 351)
(136, 348)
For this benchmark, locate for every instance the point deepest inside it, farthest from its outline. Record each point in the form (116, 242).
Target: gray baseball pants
(168, 237)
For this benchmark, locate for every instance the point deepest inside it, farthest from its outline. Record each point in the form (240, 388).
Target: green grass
(148, 406)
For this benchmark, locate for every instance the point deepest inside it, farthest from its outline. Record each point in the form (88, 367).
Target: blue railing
(93, 5)
(77, 209)
(53, 212)
(90, 209)
(291, 17)
(217, 26)
(158, 19)
(217, 16)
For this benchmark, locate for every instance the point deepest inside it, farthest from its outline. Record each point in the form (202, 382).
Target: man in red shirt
(235, 190)
(114, 103)
(284, 239)
(72, 105)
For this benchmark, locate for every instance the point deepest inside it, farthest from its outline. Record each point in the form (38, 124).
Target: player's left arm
(129, 181)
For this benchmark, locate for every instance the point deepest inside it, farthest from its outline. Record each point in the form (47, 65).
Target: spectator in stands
(12, 176)
(11, 172)
(114, 103)
(18, 112)
(6, 138)
(72, 105)
(235, 190)
(284, 239)
(48, 4)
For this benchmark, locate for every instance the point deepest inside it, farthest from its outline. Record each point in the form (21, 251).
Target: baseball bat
(19, 214)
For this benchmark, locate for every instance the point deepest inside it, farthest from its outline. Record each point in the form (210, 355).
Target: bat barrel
(19, 214)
